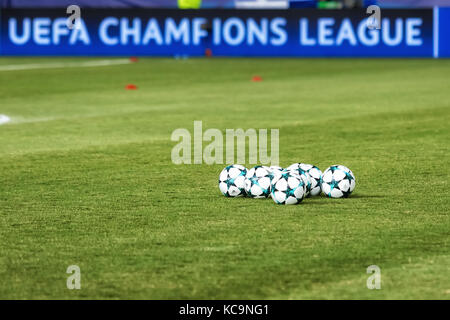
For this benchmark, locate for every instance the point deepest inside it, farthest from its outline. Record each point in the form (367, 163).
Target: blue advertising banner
(442, 29)
(158, 32)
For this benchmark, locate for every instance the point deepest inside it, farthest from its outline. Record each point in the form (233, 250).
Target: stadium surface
(86, 179)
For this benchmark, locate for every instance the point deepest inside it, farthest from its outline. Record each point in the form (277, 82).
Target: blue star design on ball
(334, 168)
(349, 176)
(334, 184)
(290, 192)
(285, 175)
(230, 182)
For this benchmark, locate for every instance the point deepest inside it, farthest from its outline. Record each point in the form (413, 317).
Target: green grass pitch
(86, 178)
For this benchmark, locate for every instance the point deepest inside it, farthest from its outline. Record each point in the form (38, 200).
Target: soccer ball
(296, 167)
(257, 182)
(315, 174)
(288, 188)
(232, 181)
(338, 181)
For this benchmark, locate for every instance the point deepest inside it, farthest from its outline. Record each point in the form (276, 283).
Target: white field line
(51, 65)
(21, 120)
(4, 119)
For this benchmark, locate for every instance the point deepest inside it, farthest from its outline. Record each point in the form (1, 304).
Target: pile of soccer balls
(286, 186)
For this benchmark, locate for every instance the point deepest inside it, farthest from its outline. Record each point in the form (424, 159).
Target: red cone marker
(131, 87)
(257, 79)
(134, 59)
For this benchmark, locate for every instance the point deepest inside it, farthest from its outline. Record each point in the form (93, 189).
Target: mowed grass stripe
(110, 131)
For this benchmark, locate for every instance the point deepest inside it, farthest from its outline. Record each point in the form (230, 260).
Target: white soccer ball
(315, 174)
(232, 181)
(257, 182)
(296, 167)
(288, 188)
(338, 182)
